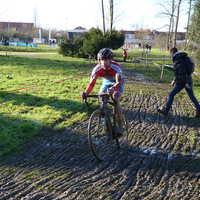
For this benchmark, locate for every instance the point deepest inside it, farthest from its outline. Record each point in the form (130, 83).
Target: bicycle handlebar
(100, 95)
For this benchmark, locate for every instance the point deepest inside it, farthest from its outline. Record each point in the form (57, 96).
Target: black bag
(189, 65)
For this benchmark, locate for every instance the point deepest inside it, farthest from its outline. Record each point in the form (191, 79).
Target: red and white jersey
(111, 74)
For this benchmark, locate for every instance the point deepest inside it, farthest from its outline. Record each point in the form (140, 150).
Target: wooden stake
(146, 62)
(161, 76)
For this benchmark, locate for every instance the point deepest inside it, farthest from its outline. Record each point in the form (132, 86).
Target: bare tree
(168, 10)
(176, 27)
(111, 16)
(103, 16)
(114, 13)
(171, 24)
(188, 22)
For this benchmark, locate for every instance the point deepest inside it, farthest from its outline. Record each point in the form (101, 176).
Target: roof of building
(80, 28)
(127, 32)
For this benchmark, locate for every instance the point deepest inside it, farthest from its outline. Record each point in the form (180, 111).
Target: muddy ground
(162, 160)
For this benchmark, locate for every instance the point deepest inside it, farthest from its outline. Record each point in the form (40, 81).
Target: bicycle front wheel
(100, 135)
(123, 140)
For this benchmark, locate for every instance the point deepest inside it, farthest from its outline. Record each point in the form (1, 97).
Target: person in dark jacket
(182, 80)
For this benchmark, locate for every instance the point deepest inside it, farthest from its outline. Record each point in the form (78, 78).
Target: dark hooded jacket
(181, 76)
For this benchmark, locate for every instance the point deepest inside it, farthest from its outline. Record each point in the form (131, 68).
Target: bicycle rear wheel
(100, 135)
(123, 140)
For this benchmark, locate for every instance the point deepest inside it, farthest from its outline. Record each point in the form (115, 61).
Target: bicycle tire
(123, 140)
(100, 140)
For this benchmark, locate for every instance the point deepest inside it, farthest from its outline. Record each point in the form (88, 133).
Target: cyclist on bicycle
(113, 82)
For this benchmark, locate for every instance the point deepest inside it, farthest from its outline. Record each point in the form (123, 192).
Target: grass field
(39, 48)
(53, 105)
(47, 108)
(44, 156)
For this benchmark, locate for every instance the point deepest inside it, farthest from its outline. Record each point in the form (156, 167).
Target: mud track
(161, 161)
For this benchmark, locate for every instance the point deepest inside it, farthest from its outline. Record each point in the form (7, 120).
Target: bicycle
(102, 131)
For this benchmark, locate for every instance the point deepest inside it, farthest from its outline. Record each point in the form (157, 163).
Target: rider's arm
(118, 83)
(91, 84)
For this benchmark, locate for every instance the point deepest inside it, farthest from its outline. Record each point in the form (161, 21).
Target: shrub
(66, 48)
(91, 43)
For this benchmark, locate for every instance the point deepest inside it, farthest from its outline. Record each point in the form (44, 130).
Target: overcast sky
(69, 14)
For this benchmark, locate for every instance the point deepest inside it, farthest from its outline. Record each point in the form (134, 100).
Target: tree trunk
(168, 35)
(172, 24)
(103, 16)
(175, 32)
(111, 16)
(188, 22)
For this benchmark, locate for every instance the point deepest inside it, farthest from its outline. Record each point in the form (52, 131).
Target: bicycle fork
(104, 124)
(105, 115)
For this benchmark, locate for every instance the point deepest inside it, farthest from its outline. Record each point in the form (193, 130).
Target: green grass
(39, 48)
(29, 113)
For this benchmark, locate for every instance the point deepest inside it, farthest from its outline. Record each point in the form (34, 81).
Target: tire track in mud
(161, 162)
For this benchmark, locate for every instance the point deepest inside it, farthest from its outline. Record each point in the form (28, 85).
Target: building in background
(146, 36)
(5, 26)
(77, 32)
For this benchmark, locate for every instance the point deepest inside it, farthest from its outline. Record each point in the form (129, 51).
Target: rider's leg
(118, 111)
(117, 107)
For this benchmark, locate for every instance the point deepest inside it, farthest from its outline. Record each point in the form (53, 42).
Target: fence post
(161, 76)
(146, 62)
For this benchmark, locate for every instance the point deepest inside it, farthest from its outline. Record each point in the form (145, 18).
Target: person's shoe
(164, 111)
(197, 114)
(119, 133)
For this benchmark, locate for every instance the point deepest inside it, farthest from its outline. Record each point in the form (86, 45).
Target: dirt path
(161, 162)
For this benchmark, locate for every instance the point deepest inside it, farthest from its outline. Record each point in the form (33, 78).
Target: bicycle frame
(114, 125)
(103, 107)
(104, 110)
(102, 131)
